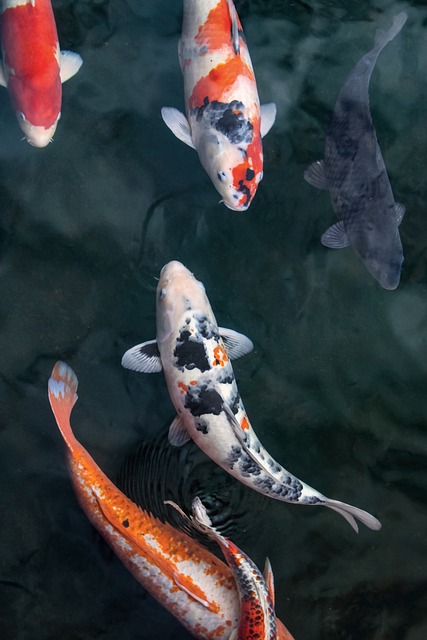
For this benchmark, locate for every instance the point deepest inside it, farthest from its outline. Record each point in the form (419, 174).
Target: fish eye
(21, 115)
(162, 294)
(221, 176)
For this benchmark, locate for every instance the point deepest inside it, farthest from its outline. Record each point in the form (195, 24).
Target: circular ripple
(156, 471)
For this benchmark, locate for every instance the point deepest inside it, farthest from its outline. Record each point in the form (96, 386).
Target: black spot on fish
(234, 125)
(227, 118)
(202, 426)
(189, 353)
(225, 379)
(206, 327)
(125, 523)
(248, 466)
(245, 190)
(250, 174)
(202, 400)
(234, 455)
(235, 403)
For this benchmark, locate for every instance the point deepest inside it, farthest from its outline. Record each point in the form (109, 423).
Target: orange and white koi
(256, 591)
(189, 581)
(34, 67)
(224, 122)
(195, 356)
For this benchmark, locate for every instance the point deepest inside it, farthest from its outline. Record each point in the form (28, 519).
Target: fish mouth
(36, 136)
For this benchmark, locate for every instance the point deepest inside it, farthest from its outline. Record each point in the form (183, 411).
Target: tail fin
(383, 37)
(351, 513)
(62, 389)
(200, 519)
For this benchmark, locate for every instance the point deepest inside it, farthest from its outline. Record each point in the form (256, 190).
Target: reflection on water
(335, 387)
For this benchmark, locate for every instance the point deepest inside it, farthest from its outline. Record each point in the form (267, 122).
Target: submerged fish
(354, 172)
(189, 581)
(195, 356)
(34, 67)
(224, 122)
(256, 591)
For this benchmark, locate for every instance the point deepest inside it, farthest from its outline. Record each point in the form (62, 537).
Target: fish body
(195, 356)
(354, 172)
(224, 122)
(256, 591)
(34, 67)
(190, 582)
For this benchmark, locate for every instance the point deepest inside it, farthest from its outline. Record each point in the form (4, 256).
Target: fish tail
(62, 390)
(200, 514)
(351, 514)
(382, 37)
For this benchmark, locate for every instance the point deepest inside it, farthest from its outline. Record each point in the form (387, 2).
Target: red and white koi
(34, 67)
(256, 591)
(224, 122)
(195, 356)
(189, 581)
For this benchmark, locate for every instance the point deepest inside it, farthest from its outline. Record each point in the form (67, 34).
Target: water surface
(335, 387)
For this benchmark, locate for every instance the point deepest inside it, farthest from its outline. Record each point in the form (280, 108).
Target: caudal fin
(382, 37)
(351, 514)
(62, 388)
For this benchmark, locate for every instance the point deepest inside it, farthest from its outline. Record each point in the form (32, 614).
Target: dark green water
(335, 387)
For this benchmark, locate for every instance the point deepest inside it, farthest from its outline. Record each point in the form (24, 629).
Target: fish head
(36, 136)
(230, 168)
(178, 292)
(380, 249)
(38, 109)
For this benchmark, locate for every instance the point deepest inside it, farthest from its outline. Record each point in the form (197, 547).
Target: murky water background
(335, 387)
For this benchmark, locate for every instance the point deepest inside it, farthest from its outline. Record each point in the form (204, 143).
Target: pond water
(335, 386)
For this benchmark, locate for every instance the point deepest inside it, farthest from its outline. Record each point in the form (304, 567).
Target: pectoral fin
(315, 175)
(236, 344)
(69, 64)
(144, 358)
(3, 80)
(178, 124)
(268, 116)
(187, 584)
(269, 579)
(335, 237)
(399, 210)
(178, 434)
(235, 37)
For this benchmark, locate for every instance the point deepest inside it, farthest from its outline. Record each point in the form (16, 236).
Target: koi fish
(354, 172)
(256, 591)
(190, 582)
(224, 122)
(195, 355)
(34, 67)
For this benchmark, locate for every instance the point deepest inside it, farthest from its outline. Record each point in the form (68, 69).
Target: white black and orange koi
(33, 66)
(225, 122)
(256, 591)
(189, 581)
(195, 356)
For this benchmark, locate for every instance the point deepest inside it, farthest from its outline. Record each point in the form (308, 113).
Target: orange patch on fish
(245, 423)
(218, 80)
(218, 23)
(183, 387)
(220, 356)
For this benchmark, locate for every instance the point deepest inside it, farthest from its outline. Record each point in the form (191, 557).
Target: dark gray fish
(354, 172)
